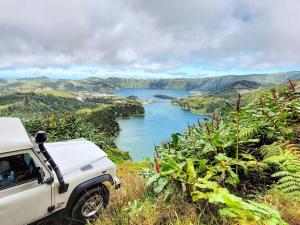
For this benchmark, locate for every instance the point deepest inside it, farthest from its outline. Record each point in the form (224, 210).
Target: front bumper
(118, 183)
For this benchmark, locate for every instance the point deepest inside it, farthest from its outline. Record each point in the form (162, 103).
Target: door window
(17, 169)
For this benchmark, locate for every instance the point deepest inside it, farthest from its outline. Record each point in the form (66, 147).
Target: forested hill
(242, 166)
(207, 83)
(94, 84)
(65, 116)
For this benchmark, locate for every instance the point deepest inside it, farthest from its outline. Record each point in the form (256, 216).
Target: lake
(138, 135)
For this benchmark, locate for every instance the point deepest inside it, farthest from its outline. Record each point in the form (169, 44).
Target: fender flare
(84, 186)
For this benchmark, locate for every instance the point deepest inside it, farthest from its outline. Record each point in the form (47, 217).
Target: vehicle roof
(13, 135)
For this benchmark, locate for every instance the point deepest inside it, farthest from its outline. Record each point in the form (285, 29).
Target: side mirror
(39, 173)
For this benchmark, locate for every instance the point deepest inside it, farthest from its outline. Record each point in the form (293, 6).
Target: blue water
(138, 135)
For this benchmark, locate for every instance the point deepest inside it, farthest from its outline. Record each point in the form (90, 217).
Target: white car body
(81, 163)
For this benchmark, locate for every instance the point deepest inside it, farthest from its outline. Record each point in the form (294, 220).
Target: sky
(148, 39)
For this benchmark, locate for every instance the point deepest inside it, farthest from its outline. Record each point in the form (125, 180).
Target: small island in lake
(163, 96)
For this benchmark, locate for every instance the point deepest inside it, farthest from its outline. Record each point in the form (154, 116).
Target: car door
(22, 199)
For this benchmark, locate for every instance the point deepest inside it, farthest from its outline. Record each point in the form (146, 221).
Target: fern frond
(247, 132)
(290, 189)
(281, 174)
(275, 160)
(286, 179)
(294, 148)
(285, 157)
(271, 150)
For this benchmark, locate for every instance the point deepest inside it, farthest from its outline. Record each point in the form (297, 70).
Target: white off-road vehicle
(49, 183)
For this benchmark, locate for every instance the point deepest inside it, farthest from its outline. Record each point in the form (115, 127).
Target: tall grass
(133, 204)
(288, 206)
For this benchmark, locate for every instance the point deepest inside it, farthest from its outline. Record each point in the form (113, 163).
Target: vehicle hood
(74, 154)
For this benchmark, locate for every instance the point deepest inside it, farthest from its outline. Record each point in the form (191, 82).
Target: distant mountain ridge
(207, 83)
(95, 84)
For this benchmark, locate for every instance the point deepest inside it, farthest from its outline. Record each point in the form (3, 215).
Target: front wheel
(90, 205)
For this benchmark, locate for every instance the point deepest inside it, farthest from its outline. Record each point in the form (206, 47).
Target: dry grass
(288, 206)
(132, 204)
(133, 185)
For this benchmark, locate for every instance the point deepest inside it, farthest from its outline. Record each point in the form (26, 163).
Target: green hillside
(63, 116)
(212, 102)
(27, 105)
(94, 84)
(200, 104)
(240, 167)
(205, 84)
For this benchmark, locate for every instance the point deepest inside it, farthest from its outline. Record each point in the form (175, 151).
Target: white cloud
(151, 35)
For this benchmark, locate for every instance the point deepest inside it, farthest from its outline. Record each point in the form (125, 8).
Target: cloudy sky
(141, 38)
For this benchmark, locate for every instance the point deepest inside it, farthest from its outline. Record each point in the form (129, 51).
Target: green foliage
(30, 104)
(285, 158)
(117, 156)
(203, 104)
(51, 91)
(105, 118)
(101, 112)
(218, 162)
(234, 207)
(64, 117)
(66, 126)
(134, 208)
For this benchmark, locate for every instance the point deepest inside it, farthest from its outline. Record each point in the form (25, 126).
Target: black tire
(90, 195)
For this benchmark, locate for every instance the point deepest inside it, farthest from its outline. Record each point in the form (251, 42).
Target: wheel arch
(81, 188)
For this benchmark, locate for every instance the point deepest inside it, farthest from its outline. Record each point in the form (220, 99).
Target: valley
(237, 144)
